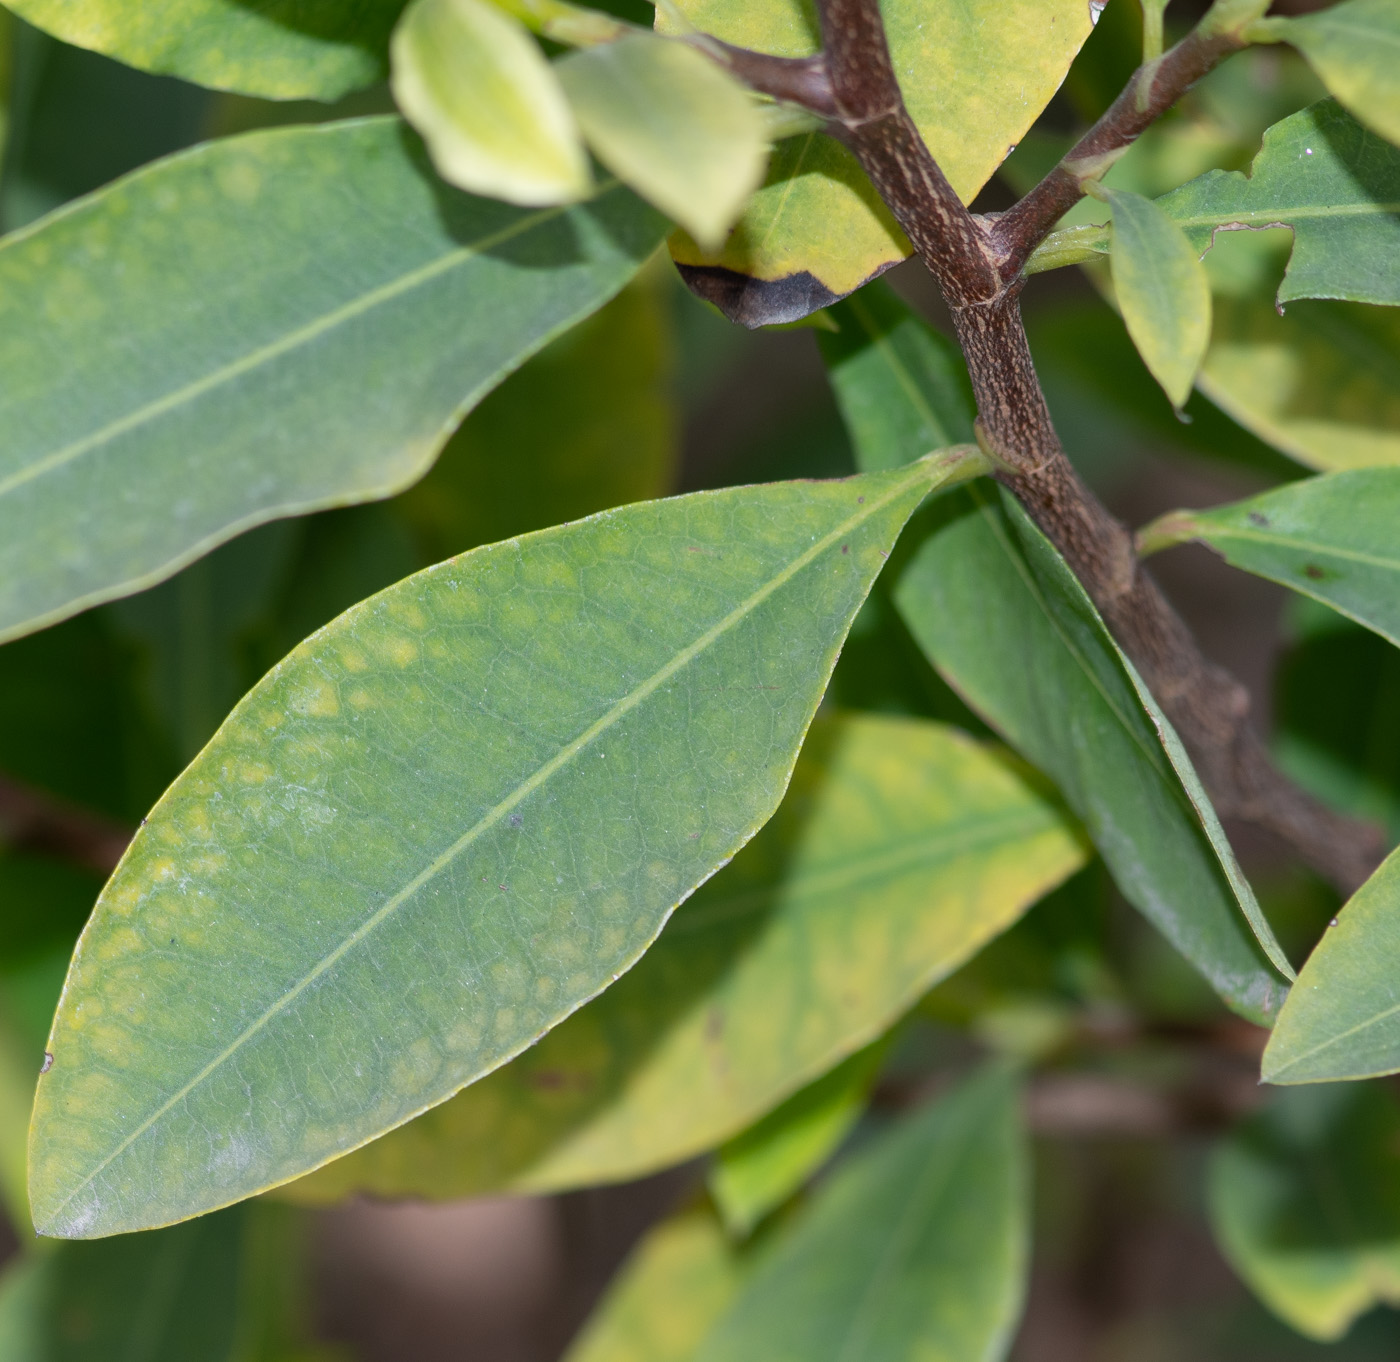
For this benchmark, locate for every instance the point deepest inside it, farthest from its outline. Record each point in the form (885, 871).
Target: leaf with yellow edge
(975, 76)
(437, 828)
(1321, 383)
(669, 122)
(475, 84)
(902, 848)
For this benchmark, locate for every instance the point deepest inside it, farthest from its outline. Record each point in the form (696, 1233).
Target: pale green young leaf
(274, 49)
(1162, 290)
(757, 1171)
(1334, 183)
(1355, 48)
(475, 84)
(816, 230)
(667, 120)
(982, 592)
(1332, 538)
(679, 1280)
(901, 848)
(263, 326)
(1342, 1019)
(1305, 1202)
(1321, 383)
(439, 826)
(917, 1247)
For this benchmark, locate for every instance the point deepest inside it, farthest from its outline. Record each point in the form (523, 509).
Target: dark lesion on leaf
(755, 302)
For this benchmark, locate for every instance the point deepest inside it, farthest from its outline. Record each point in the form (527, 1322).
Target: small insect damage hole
(47, 1064)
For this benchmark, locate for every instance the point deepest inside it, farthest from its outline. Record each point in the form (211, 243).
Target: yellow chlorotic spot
(162, 868)
(402, 652)
(353, 660)
(254, 772)
(318, 700)
(408, 613)
(360, 699)
(544, 987)
(504, 1019)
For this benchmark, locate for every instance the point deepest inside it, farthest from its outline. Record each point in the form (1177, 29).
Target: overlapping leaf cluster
(530, 862)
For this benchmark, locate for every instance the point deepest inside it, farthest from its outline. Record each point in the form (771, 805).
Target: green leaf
(588, 423)
(817, 229)
(438, 827)
(276, 49)
(266, 325)
(1004, 620)
(667, 120)
(757, 1171)
(171, 1296)
(917, 1247)
(676, 1284)
(1305, 1201)
(474, 82)
(901, 848)
(1329, 179)
(1355, 48)
(1321, 383)
(1332, 538)
(1341, 1020)
(1162, 290)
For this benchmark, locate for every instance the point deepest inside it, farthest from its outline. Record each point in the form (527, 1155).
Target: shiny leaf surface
(1342, 1019)
(1332, 538)
(667, 120)
(1329, 179)
(901, 849)
(262, 326)
(433, 831)
(916, 1248)
(489, 106)
(278, 49)
(982, 592)
(1162, 290)
(1305, 1201)
(817, 230)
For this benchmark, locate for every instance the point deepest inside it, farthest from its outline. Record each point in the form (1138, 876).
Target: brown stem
(794, 80)
(1208, 707)
(1153, 89)
(31, 820)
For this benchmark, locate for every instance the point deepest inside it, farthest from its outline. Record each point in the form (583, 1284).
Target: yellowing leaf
(665, 119)
(1321, 383)
(901, 848)
(473, 81)
(439, 826)
(1355, 48)
(975, 76)
(1162, 290)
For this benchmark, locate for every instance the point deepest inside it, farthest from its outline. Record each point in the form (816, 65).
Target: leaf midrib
(1310, 548)
(923, 471)
(292, 340)
(914, 850)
